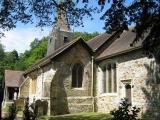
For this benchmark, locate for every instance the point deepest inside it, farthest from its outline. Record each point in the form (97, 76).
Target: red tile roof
(121, 44)
(13, 78)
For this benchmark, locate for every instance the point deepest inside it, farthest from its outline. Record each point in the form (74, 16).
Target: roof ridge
(46, 57)
(58, 51)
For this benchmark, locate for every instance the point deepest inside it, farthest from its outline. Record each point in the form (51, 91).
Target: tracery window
(77, 75)
(109, 79)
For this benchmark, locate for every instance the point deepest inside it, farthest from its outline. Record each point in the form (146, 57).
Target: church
(92, 76)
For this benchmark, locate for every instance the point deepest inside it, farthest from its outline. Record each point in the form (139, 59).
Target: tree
(41, 12)
(144, 14)
(10, 59)
(29, 57)
(2, 56)
(38, 51)
(86, 36)
(1, 52)
(1, 77)
(34, 43)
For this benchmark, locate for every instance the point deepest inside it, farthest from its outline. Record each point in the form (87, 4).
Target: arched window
(77, 75)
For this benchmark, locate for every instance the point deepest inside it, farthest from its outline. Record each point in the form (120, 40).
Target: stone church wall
(67, 99)
(54, 83)
(140, 71)
(24, 89)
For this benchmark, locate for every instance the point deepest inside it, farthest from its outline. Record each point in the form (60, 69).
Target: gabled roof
(120, 45)
(13, 78)
(57, 52)
(99, 40)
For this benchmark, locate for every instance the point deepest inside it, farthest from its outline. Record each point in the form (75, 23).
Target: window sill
(108, 94)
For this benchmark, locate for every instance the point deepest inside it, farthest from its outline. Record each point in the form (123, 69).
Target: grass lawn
(79, 116)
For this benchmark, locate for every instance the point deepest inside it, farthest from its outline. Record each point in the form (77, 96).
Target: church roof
(99, 40)
(13, 78)
(57, 52)
(120, 45)
(119, 42)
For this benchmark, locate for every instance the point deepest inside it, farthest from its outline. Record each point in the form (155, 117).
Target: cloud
(20, 38)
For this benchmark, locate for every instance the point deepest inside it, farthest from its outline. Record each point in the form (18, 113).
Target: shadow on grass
(80, 116)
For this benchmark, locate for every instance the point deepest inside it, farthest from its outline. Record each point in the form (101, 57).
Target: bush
(29, 111)
(125, 111)
(12, 111)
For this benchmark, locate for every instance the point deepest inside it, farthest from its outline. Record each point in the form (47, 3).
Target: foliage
(29, 57)
(125, 111)
(7, 61)
(37, 51)
(34, 43)
(79, 116)
(85, 35)
(12, 111)
(11, 60)
(1, 52)
(144, 14)
(40, 12)
(39, 48)
(29, 111)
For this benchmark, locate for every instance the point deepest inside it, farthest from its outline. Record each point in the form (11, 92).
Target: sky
(20, 38)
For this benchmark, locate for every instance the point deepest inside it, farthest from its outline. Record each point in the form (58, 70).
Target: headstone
(15, 96)
(20, 104)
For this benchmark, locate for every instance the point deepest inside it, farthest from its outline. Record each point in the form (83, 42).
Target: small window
(77, 75)
(50, 40)
(66, 39)
(128, 93)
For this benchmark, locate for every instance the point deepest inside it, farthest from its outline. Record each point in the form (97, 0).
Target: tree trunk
(1, 100)
(0, 111)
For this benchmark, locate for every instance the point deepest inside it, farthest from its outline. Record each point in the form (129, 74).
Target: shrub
(12, 111)
(29, 111)
(125, 111)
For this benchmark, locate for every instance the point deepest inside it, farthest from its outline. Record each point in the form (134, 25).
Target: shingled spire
(60, 33)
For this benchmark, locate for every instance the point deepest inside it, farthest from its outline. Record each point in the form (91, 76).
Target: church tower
(61, 32)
